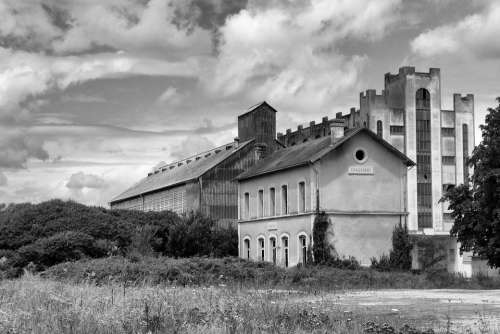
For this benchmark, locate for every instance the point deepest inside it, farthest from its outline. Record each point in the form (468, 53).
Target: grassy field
(241, 274)
(35, 305)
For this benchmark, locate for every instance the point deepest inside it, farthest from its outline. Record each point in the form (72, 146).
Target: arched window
(262, 254)
(302, 249)
(379, 129)
(273, 248)
(284, 244)
(424, 168)
(246, 248)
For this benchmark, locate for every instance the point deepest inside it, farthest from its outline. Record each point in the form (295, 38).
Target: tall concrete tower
(408, 114)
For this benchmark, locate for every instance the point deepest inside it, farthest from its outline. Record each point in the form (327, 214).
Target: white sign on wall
(360, 170)
(272, 226)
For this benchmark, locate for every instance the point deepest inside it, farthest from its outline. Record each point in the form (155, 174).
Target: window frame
(272, 201)
(301, 257)
(285, 250)
(301, 201)
(260, 203)
(285, 209)
(247, 248)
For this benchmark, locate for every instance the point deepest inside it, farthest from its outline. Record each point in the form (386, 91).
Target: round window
(360, 155)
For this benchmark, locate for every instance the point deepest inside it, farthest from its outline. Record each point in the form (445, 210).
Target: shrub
(65, 246)
(381, 264)
(400, 255)
(322, 249)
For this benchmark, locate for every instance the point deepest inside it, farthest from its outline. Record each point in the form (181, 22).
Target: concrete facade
(362, 223)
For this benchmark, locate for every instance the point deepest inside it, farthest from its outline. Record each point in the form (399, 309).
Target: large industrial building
(406, 116)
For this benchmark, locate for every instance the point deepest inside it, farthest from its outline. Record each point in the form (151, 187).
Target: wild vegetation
(34, 305)
(56, 231)
(475, 205)
(239, 273)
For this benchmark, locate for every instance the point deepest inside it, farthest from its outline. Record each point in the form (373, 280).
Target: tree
(322, 250)
(400, 255)
(475, 205)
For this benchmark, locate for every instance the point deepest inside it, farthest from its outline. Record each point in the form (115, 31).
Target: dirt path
(460, 308)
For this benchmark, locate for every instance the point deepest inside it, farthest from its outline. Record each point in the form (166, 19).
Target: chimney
(237, 141)
(260, 151)
(336, 129)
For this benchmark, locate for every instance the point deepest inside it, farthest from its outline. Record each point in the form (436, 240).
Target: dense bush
(57, 231)
(399, 257)
(61, 247)
(323, 250)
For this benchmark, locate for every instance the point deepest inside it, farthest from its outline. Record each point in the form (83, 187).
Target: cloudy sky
(95, 93)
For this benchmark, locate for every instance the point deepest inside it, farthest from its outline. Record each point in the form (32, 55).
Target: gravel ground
(460, 309)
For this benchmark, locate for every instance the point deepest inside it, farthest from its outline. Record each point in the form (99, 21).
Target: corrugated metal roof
(181, 171)
(310, 152)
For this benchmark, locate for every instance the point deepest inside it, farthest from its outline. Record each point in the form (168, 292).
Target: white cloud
(81, 180)
(16, 148)
(474, 35)
(170, 96)
(190, 146)
(24, 74)
(3, 179)
(132, 26)
(289, 54)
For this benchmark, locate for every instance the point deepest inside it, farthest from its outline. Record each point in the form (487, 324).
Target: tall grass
(240, 273)
(35, 305)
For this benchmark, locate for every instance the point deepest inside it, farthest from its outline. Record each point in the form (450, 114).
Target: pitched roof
(255, 106)
(311, 151)
(181, 171)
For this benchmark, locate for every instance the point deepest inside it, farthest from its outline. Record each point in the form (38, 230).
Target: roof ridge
(194, 156)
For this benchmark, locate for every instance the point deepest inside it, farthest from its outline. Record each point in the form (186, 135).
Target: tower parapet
(463, 103)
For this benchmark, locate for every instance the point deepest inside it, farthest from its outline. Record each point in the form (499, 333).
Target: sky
(94, 94)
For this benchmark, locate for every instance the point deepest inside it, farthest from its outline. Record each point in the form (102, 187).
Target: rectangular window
(284, 200)
(397, 129)
(302, 196)
(261, 203)
(448, 160)
(247, 205)
(448, 132)
(272, 202)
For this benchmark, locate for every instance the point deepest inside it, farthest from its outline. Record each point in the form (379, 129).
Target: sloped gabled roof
(310, 152)
(181, 171)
